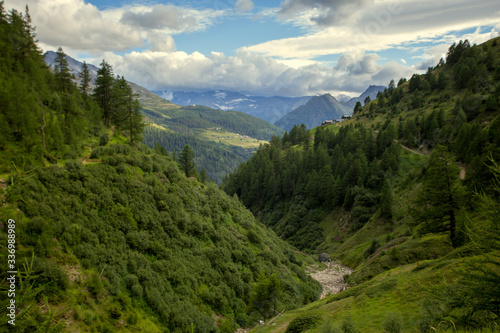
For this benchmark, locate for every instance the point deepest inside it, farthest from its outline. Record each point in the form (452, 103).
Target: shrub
(303, 323)
(103, 139)
(375, 244)
(348, 326)
(393, 323)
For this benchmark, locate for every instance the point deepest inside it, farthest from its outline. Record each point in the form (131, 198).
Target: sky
(256, 47)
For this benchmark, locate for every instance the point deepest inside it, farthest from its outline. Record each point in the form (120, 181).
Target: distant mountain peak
(314, 112)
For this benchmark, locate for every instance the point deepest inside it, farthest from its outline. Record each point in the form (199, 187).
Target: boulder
(324, 257)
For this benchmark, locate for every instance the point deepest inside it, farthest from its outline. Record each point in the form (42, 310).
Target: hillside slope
(411, 179)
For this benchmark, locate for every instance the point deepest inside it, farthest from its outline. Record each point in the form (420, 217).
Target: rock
(324, 257)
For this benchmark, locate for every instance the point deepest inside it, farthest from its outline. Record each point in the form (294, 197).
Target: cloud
(253, 73)
(243, 6)
(159, 17)
(81, 26)
(169, 18)
(161, 42)
(372, 25)
(322, 12)
(78, 25)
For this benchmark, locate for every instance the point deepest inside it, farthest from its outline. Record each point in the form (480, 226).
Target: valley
(136, 214)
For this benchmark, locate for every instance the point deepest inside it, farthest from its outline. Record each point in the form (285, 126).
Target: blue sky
(288, 48)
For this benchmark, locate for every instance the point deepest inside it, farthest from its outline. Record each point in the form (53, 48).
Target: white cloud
(252, 73)
(243, 6)
(169, 19)
(77, 25)
(321, 12)
(373, 25)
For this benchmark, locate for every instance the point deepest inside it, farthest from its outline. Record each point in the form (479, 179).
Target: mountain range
(270, 109)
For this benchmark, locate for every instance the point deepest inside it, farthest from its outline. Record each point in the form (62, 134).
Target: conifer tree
(84, 76)
(63, 74)
(102, 90)
(186, 161)
(438, 199)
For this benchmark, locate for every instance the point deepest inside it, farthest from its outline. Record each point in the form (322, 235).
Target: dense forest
(412, 176)
(109, 234)
(218, 159)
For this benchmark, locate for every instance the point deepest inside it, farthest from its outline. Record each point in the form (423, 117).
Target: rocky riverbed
(331, 277)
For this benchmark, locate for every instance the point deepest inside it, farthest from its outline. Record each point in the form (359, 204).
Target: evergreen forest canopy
(110, 234)
(412, 176)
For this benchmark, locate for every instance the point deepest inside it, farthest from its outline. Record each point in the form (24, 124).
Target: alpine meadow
(124, 212)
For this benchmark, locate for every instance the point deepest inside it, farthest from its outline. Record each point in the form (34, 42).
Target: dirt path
(409, 149)
(331, 278)
(4, 183)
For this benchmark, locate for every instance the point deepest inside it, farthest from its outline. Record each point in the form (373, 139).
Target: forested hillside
(412, 181)
(221, 140)
(110, 236)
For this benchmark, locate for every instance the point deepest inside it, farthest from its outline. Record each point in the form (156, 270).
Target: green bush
(303, 323)
(393, 323)
(103, 139)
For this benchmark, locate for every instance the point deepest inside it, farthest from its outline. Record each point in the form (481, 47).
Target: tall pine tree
(102, 90)
(84, 76)
(438, 200)
(186, 161)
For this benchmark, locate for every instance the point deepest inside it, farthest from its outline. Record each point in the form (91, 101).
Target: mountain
(342, 98)
(268, 108)
(406, 193)
(220, 140)
(74, 65)
(371, 91)
(314, 112)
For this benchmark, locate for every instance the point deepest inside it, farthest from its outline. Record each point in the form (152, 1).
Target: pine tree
(392, 86)
(102, 90)
(358, 107)
(84, 76)
(63, 74)
(186, 161)
(438, 199)
(203, 175)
